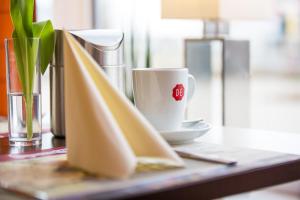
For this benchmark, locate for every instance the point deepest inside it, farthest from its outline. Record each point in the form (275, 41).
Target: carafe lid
(105, 45)
(58, 55)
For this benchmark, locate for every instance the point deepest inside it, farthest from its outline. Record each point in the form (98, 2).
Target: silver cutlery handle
(209, 158)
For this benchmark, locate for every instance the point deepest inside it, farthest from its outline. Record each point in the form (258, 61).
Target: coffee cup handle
(191, 87)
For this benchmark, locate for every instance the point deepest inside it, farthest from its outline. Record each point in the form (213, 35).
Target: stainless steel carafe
(106, 47)
(57, 109)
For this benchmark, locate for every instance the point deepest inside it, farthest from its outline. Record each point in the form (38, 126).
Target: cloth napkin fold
(106, 135)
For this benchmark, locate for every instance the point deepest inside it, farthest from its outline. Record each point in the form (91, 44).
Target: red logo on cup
(178, 92)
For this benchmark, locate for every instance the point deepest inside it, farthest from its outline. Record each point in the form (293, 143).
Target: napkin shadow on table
(105, 133)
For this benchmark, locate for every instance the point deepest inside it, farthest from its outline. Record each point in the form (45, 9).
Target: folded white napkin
(106, 134)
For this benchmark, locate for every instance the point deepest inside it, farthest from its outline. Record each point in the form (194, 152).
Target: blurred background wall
(6, 30)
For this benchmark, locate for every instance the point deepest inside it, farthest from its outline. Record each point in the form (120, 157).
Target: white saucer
(187, 133)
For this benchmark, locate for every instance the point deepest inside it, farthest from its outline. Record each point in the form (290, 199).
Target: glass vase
(23, 91)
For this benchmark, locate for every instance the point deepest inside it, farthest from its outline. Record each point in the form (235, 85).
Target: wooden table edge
(226, 185)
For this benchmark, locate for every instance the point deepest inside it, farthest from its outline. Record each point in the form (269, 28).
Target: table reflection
(48, 142)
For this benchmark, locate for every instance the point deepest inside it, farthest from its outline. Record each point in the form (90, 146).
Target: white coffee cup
(161, 94)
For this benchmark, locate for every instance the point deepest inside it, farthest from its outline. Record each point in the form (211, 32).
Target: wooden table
(231, 180)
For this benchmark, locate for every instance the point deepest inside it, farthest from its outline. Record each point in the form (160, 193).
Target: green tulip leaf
(44, 30)
(25, 9)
